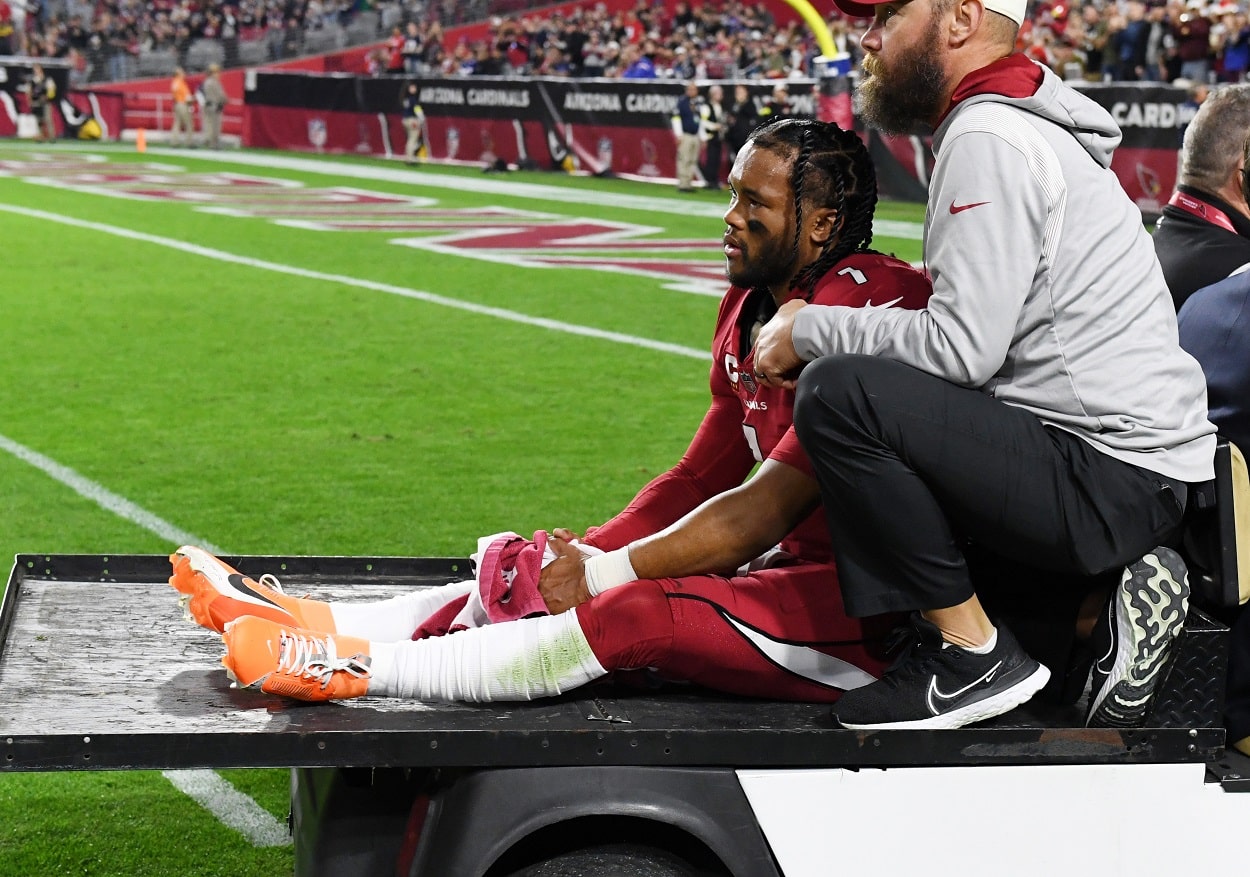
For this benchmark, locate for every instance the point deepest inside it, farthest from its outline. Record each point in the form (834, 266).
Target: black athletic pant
(917, 475)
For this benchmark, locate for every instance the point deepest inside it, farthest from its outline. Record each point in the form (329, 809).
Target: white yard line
(224, 801)
(390, 289)
(231, 806)
(105, 498)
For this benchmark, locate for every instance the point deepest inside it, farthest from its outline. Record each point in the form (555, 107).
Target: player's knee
(628, 627)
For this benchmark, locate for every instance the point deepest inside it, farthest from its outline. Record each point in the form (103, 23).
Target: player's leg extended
(778, 633)
(514, 660)
(215, 593)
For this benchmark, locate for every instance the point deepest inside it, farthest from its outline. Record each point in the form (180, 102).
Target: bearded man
(1038, 415)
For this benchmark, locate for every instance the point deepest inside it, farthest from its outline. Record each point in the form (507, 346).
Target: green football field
(278, 354)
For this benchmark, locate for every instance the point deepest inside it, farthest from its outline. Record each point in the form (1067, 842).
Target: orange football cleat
(215, 593)
(303, 664)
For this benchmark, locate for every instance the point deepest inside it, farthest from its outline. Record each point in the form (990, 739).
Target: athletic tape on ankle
(609, 570)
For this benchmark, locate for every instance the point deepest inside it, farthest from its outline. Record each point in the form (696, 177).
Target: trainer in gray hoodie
(1047, 295)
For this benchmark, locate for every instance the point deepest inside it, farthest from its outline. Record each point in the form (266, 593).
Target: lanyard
(1202, 210)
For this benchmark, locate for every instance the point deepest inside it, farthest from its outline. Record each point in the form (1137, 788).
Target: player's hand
(563, 581)
(776, 362)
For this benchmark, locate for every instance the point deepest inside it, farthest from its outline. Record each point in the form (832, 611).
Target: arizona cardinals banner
(598, 125)
(624, 126)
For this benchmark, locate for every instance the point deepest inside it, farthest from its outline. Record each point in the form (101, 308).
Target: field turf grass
(280, 391)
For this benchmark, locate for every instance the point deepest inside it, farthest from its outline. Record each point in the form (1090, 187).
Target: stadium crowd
(1161, 40)
(1131, 40)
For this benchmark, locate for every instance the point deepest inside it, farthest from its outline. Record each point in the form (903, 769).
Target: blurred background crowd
(111, 40)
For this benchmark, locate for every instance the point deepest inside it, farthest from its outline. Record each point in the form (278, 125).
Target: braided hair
(831, 168)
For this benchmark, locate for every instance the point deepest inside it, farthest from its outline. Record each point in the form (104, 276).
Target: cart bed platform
(99, 670)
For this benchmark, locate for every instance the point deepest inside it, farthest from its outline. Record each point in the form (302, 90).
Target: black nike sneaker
(1134, 636)
(935, 684)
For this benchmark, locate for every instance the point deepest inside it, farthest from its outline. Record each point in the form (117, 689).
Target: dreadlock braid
(831, 169)
(796, 182)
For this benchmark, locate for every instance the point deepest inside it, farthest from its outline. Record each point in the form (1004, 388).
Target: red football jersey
(748, 423)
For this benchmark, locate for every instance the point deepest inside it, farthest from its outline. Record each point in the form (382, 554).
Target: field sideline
(277, 354)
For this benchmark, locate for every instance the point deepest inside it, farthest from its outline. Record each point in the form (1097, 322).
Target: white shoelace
(316, 658)
(272, 582)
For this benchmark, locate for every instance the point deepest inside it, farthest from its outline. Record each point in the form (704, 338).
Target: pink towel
(508, 577)
(507, 587)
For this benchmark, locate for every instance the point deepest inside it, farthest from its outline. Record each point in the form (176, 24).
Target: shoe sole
(995, 705)
(1151, 602)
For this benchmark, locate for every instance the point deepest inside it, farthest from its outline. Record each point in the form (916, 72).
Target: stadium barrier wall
(624, 126)
(599, 126)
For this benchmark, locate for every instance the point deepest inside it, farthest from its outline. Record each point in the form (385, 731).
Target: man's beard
(909, 96)
(775, 262)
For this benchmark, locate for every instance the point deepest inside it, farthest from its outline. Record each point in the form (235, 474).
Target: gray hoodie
(1046, 290)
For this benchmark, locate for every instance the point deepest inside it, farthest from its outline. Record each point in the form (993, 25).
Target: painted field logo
(519, 238)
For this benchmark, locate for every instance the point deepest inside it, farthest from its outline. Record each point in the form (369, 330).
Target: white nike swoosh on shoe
(803, 660)
(935, 692)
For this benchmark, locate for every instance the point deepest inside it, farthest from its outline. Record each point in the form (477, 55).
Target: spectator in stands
(1192, 33)
(292, 38)
(214, 97)
(726, 40)
(1130, 36)
(77, 37)
(275, 33)
(1162, 63)
(395, 51)
(411, 49)
(639, 61)
(229, 30)
(123, 38)
(490, 61)
(514, 43)
(555, 62)
(594, 55)
(1231, 45)
(571, 40)
(7, 39)
(183, 127)
(1204, 233)
(1090, 34)
(685, 63)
